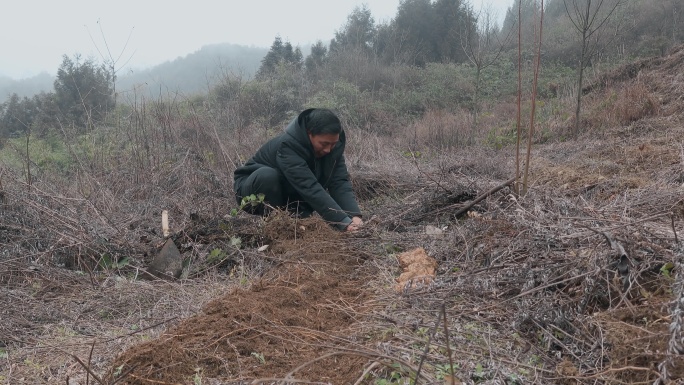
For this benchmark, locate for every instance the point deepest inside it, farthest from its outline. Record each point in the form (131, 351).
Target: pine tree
(83, 91)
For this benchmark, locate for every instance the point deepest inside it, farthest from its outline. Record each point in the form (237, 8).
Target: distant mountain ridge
(197, 72)
(190, 74)
(25, 87)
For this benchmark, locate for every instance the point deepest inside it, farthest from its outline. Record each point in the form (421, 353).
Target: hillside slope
(580, 281)
(573, 281)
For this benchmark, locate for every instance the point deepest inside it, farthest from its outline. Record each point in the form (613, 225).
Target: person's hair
(322, 121)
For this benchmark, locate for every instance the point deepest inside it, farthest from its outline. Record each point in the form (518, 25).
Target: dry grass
(54, 315)
(440, 129)
(619, 106)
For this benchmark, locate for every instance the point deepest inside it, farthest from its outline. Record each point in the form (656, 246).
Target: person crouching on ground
(303, 170)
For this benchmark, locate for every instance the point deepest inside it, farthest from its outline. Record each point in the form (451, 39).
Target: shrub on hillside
(446, 85)
(268, 101)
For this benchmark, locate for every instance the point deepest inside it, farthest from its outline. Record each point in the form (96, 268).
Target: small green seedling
(260, 357)
(666, 269)
(444, 370)
(197, 378)
(108, 262)
(250, 200)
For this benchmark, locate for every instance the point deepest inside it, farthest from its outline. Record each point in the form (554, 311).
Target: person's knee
(267, 181)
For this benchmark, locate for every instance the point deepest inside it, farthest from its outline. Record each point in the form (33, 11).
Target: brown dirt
(636, 339)
(300, 311)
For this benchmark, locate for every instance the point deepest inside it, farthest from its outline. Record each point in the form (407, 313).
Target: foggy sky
(34, 34)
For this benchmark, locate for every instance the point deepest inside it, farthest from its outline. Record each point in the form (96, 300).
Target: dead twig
(123, 375)
(141, 330)
(611, 370)
(287, 381)
(288, 376)
(90, 359)
(427, 345)
(366, 371)
(88, 371)
(477, 200)
(674, 230)
(446, 336)
(153, 381)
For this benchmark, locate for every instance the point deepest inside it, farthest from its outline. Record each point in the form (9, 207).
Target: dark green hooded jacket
(322, 183)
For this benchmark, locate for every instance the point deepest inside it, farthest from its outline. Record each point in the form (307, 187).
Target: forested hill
(198, 71)
(188, 74)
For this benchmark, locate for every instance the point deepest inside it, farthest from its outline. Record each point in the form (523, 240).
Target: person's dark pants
(277, 193)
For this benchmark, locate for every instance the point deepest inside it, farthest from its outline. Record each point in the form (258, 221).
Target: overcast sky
(34, 34)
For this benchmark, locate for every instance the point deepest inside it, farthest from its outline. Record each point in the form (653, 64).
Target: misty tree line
(429, 31)
(83, 95)
(434, 54)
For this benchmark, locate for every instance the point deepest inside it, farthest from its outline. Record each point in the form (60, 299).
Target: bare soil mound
(298, 313)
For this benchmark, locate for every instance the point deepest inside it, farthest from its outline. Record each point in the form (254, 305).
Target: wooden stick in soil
(516, 186)
(446, 336)
(90, 359)
(674, 230)
(530, 135)
(427, 347)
